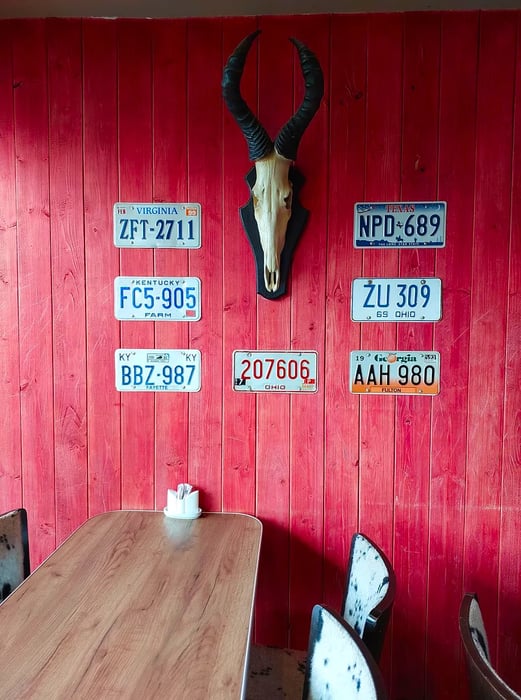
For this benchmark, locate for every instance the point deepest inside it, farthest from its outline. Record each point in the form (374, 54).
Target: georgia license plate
(157, 298)
(394, 372)
(158, 370)
(399, 224)
(157, 225)
(286, 371)
(395, 299)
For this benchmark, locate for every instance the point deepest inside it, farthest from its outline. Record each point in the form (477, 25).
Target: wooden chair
(368, 598)
(485, 683)
(14, 551)
(369, 592)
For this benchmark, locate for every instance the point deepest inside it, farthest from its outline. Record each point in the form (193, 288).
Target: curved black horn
(259, 143)
(288, 139)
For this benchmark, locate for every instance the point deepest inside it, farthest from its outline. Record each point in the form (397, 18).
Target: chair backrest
(369, 592)
(14, 551)
(485, 683)
(339, 665)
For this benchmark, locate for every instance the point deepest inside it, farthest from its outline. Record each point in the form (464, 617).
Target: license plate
(399, 224)
(276, 372)
(157, 298)
(395, 299)
(394, 372)
(157, 225)
(158, 370)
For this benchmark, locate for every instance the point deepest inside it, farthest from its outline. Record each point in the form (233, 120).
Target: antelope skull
(272, 192)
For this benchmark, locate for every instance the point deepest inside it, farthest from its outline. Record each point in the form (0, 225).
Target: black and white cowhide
(11, 554)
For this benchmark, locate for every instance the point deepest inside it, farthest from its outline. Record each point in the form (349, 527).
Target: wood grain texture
(164, 607)
(10, 435)
(101, 263)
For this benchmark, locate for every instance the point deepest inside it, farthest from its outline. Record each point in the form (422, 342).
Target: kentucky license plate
(395, 299)
(158, 370)
(274, 371)
(157, 225)
(399, 224)
(394, 372)
(157, 298)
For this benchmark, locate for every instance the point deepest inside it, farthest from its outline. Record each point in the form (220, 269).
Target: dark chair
(485, 683)
(339, 663)
(368, 598)
(369, 592)
(14, 551)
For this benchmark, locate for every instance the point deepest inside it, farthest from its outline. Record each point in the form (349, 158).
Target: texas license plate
(286, 371)
(399, 224)
(395, 299)
(394, 372)
(158, 370)
(157, 298)
(157, 225)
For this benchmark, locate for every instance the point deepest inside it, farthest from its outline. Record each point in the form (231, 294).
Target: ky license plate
(394, 372)
(157, 298)
(395, 299)
(274, 371)
(158, 370)
(157, 225)
(399, 224)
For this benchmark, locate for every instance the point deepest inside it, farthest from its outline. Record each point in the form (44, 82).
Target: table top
(135, 605)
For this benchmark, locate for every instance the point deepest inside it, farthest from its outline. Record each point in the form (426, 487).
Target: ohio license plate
(395, 299)
(158, 370)
(157, 225)
(394, 372)
(399, 224)
(287, 371)
(157, 298)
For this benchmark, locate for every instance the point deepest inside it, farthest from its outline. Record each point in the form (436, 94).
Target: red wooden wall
(417, 106)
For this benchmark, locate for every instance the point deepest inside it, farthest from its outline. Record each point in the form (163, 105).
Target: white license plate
(158, 370)
(157, 298)
(157, 225)
(285, 371)
(399, 224)
(394, 372)
(395, 299)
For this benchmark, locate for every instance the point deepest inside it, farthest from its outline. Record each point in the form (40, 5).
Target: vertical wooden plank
(239, 317)
(445, 670)
(488, 324)
(170, 184)
(68, 273)
(413, 414)
(272, 622)
(205, 186)
(509, 616)
(307, 322)
(34, 278)
(348, 96)
(382, 183)
(135, 185)
(101, 261)
(10, 438)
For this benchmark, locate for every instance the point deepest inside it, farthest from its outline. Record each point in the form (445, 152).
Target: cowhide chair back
(485, 683)
(14, 551)
(369, 592)
(339, 664)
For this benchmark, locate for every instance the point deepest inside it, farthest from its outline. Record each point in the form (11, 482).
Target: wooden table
(135, 605)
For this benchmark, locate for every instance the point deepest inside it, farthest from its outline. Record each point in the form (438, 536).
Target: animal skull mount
(273, 218)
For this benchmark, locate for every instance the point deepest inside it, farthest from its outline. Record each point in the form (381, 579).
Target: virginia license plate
(395, 299)
(399, 224)
(394, 372)
(157, 225)
(287, 371)
(157, 298)
(158, 370)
